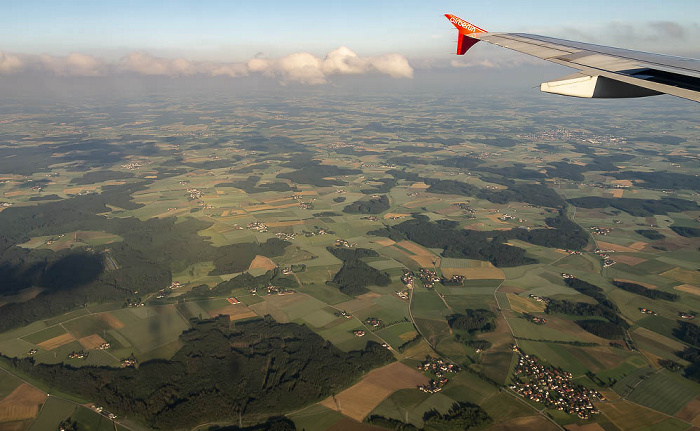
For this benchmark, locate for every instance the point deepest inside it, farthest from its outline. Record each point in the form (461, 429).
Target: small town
(439, 367)
(429, 277)
(552, 387)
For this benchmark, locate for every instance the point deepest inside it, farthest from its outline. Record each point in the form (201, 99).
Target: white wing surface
(604, 72)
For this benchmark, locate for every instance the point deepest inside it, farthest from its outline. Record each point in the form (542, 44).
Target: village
(438, 367)
(552, 387)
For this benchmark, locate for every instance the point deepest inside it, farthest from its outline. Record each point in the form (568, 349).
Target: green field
(665, 391)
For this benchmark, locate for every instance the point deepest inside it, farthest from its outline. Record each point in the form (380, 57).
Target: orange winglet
(463, 26)
(466, 29)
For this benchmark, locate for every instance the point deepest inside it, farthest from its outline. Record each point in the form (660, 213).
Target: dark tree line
(461, 416)
(645, 291)
(637, 207)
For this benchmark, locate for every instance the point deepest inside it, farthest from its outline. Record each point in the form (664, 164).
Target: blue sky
(237, 30)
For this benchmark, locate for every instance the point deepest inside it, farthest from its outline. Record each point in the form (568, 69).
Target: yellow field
(419, 186)
(627, 416)
(22, 403)
(111, 320)
(524, 305)
(691, 412)
(235, 312)
(394, 215)
(285, 223)
(688, 288)
(494, 218)
(529, 423)
(647, 285)
(359, 400)
(385, 242)
(91, 341)
(55, 342)
(420, 202)
(255, 208)
(617, 247)
(638, 245)
(683, 275)
(414, 248)
(427, 261)
(629, 260)
(262, 262)
(410, 335)
(624, 183)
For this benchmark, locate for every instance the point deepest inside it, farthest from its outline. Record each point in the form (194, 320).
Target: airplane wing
(604, 72)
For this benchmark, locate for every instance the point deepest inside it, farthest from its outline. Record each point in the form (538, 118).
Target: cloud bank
(301, 67)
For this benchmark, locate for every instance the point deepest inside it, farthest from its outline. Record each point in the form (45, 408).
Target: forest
(484, 245)
(473, 321)
(259, 368)
(645, 291)
(355, 275)
(146, 257)
(314, 173)
(637, 207)
(368, 206)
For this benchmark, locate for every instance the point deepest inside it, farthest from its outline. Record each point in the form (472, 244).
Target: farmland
(424, 239)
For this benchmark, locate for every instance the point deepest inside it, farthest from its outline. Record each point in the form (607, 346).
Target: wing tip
(464, 27)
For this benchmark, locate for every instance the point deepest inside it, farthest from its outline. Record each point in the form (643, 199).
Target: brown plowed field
(359, 400)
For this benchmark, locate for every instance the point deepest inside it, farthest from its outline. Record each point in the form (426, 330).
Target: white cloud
(10, 63)
(301, 67)
(308, 69)
(74, 64)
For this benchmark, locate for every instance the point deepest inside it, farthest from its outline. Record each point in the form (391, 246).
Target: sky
(288, 39)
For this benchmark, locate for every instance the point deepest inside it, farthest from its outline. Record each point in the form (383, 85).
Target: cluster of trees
(314, 173)
(461, 415)
(250, 185)
(473, 321)
(686, 231)
(580, 309)
(650, 234)
(645, 291)
(613, 327)
(237, 257)
(484, 245)
(385, 187)
(368, 206)
(455, 242)
(344, 253)
(355, 275)
(637, 207)
(689, 333)
(222, 371)
(101, 176)
(602, 328)
(535, 194)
